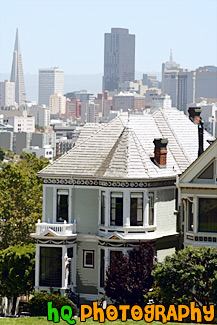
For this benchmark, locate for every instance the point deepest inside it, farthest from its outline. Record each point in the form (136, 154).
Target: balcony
(60, 229)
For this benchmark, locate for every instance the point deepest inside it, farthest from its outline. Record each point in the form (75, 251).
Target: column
(54, 204)
(126, 208)
(195, 215)
(106, 261)
(145, 209)
(107, 207)
(70, 206)
(64, 262)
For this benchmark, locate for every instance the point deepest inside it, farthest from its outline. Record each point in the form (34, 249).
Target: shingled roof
(123, 148)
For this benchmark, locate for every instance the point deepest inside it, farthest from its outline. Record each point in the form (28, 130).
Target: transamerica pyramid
(17, 73)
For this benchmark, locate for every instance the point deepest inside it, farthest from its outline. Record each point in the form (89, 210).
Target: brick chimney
(194, 116)
(160, 152)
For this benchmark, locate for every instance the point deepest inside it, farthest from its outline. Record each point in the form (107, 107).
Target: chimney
(194, 116)
(160, 152)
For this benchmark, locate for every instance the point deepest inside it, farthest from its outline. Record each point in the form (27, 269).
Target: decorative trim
(88, 182)
(56, 242)
(118, 244)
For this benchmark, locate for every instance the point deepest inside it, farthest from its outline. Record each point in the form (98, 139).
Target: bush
(38, 304)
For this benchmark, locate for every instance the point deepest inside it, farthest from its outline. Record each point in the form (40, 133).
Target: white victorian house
(115, 188)
(198, 200)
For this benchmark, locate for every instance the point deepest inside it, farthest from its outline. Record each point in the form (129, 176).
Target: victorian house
(198, 200)
(114, 189)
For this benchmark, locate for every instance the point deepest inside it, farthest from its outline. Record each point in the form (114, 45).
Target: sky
(70, 33)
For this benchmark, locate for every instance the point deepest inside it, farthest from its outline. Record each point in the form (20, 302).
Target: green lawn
(43, 321)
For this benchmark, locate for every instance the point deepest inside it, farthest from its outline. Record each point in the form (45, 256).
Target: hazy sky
(70, 33)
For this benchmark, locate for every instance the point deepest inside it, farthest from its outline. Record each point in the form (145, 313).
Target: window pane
(116, 213)
(208, 173)
(190, 216)
(89, 259)
(207, 215)
(151, 208)
(136, 209)
(62, 205)
(50, 267)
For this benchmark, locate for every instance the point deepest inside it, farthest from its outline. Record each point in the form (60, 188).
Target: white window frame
(85, 265)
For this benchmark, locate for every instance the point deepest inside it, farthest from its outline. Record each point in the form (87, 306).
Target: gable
(203, 168)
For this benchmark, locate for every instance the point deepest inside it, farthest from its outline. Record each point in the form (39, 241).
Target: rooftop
(123, 149)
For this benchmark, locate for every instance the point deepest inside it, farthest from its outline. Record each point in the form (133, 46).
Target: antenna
(171, 55)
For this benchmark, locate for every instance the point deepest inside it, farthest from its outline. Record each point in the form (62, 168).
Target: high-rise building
(119, 58)
(41, 114)
(57, 104)
(170, 71)
(17, 73)
(186, 89)
(150, 80)
(7, 93)
(51, 82)
(206, 82)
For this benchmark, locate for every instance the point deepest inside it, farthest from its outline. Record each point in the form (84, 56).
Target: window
(207, 215)
(207, 173)
(50, 267)
(88, 259)
(116, 213)
(62, 205)
(190, 215)
(102, 268)
(102, 208)
(136, 209)
(115, 255)
(151, 208)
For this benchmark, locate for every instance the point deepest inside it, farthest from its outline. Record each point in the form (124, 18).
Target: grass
(43, 321)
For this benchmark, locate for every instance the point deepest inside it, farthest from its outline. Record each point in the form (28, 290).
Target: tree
(189, 275)
(21, 200)
(17, 269)
(2, 153)
(10, 154)
(129, 277)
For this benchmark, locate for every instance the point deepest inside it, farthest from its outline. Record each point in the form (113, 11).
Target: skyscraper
(17, 72)
(186, 89)
(170, 71)
(50, 82)
(7, 93)
(119, 58)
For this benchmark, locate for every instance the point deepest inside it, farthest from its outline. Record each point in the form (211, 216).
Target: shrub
(38, 304)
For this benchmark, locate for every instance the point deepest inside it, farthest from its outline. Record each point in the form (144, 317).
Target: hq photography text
(149, 313)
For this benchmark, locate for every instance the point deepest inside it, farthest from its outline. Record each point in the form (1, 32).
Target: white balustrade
(125, 230)
(60, 228)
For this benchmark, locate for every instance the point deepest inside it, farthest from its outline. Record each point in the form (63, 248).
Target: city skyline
(158, 26)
